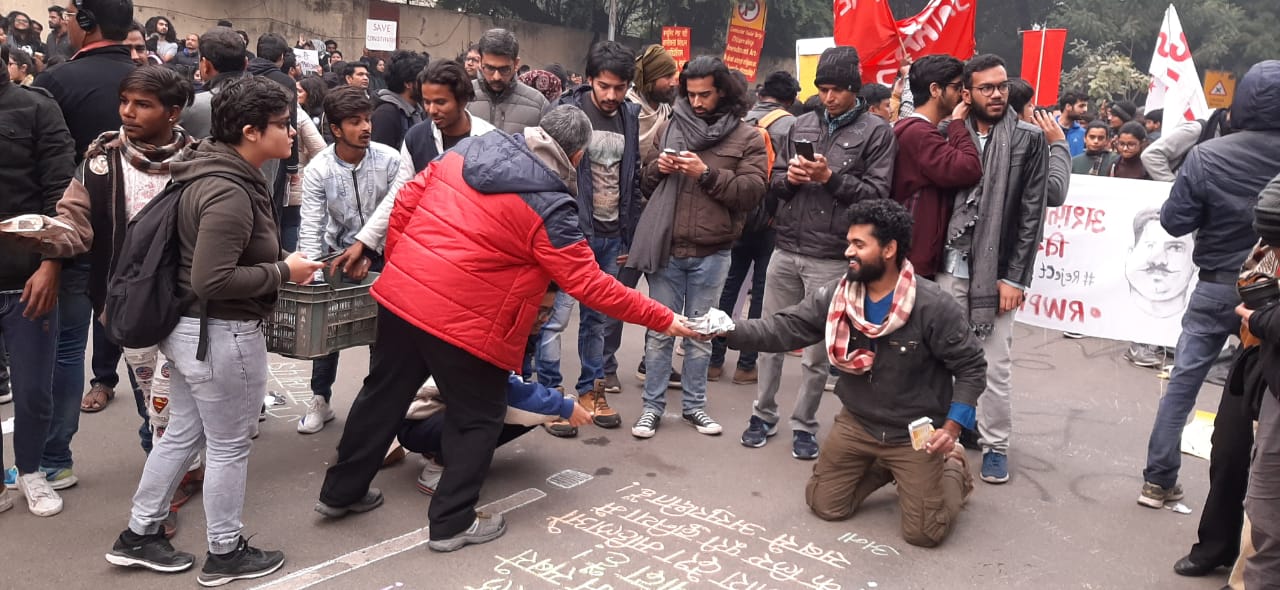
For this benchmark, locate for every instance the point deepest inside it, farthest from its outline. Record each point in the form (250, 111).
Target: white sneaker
(429, 480)
(318, 413)
(41, 498)
(6, 502)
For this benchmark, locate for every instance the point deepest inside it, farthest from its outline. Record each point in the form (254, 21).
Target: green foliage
(1104, 73)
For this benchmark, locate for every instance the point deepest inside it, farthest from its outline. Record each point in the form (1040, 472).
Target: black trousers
(1223, 513)
(426, 436)
(475, 393)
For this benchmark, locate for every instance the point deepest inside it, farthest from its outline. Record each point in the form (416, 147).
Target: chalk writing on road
(649, 540)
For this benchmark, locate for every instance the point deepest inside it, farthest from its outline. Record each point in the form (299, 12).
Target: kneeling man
(905, 351)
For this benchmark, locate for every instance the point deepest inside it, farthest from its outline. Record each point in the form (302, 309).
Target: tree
(1104, 73)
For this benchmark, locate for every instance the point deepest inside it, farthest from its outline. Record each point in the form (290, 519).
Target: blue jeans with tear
(591, 328)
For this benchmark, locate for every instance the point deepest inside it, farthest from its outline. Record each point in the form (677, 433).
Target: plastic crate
(312, 321)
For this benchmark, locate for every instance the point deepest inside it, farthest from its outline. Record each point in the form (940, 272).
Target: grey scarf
(982, 208)
(651, 247)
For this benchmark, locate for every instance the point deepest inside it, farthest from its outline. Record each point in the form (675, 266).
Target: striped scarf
(847, 313)
(147, 158)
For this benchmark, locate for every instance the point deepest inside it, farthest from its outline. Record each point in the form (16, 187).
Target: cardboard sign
(380, 35)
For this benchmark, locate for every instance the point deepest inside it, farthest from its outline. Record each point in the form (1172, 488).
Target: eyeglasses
(504, 70)
(989, 89)
(958, 85)
(1128, 146)
(473, 60)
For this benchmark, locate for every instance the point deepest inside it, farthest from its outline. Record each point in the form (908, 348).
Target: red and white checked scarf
(847, 311)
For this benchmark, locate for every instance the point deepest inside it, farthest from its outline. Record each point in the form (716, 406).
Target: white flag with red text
(1175, 84)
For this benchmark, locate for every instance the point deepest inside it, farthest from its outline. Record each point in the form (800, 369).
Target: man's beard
(866, 273)
(667, 97)
(980, 114)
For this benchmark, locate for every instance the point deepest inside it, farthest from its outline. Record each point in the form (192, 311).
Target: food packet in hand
(714, 322)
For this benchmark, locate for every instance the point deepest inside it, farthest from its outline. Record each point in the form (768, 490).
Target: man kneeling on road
(899, 342)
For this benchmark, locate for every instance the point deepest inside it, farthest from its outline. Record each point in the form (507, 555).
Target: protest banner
(676, 41)
(380, 35)
(943, 26)
(1106, 268)
(746, 37)
(308, 60)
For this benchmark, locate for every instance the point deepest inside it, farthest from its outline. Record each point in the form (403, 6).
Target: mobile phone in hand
(671, 152)
(804, 149)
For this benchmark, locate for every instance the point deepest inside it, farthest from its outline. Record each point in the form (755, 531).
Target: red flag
(1042, 63)
(944, 26)
(868, 26)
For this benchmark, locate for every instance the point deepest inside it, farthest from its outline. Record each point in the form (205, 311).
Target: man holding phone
(834, 158)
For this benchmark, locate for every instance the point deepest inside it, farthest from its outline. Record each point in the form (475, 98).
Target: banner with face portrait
(1106, 267)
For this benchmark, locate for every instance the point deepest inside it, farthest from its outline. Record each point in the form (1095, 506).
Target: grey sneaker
(1154, 496)
(485, 528)
(372, 499)
(1144, 355)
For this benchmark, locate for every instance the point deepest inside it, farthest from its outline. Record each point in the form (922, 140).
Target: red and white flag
(1175, 84)
(868, 26)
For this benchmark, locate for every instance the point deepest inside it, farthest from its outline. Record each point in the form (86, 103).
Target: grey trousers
(1262, 503)
(789, 279)
(213, 404)
(995, 407)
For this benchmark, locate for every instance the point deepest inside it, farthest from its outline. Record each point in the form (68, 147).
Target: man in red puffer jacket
(473, 241)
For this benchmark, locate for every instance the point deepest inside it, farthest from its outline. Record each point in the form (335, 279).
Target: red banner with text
(746, 37)
(1042, 63)
(944, 26)
(676, 41)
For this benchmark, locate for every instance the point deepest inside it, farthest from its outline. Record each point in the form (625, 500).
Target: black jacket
(87, 89)
(393, 117)
(38, 160)
(919, 370)
(811, 218)
(1219, 181)
(629, 199)
(1027, 195)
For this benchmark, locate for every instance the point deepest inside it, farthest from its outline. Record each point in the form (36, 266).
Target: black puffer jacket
(811, 218)
(1218, 183)
(38, 158)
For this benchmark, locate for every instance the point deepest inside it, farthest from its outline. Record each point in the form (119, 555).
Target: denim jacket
(339, 198)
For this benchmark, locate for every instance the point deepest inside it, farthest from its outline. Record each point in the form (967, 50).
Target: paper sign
(1106, 268)
(676, 41)
(308, 59)
(380, 35)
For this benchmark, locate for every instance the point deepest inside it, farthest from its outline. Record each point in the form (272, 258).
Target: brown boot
(745, 377)
(561, 428)
(601, 414)
(714, 373)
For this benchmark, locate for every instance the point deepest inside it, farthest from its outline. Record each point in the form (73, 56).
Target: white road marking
(344, 564)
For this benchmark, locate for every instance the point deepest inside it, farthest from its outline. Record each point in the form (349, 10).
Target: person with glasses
(1130, 141)
(501, 98)
(932, 167)
(991, 241)
(471, 60)
(231, 267)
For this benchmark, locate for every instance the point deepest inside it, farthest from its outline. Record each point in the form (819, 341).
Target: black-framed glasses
(990, 89)
(1124, 145)
(504, 70)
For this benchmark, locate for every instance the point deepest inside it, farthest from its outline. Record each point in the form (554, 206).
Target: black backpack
(143, 303)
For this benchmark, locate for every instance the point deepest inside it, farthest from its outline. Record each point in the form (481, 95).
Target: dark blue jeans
(106, 358)
(751, 249)
(32, 346)
(75, 313)
(1209, 319)
(629, 277)
(590, 328)
(324, 370)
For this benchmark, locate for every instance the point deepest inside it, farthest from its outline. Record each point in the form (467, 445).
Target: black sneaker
(758, 433)
(705, 424)
(149, 551)
(804, 445)
(243, 563)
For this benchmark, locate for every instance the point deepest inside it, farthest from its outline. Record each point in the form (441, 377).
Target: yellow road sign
(1219, 88)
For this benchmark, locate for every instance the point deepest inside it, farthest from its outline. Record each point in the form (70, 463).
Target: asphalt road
(681, 510)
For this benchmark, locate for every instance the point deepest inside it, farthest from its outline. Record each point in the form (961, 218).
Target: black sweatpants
(1223, 513)
(475, 393)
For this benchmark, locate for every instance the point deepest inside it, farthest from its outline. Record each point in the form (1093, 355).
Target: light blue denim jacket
(338, 199)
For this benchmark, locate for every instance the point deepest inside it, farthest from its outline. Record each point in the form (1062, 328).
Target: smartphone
(330, 257)
(671, 152)
(804, 149)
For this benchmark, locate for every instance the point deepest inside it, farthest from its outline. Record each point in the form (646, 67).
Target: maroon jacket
(929, 170)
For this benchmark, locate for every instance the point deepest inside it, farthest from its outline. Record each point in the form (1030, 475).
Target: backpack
(762, 216)
(763, 127)
(143, 303)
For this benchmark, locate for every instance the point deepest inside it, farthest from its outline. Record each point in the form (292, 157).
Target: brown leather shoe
(714, 373)
(561, 428)
(744, 377)
(601, 414)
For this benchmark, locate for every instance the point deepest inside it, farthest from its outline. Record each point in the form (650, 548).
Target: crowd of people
(886, 235)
